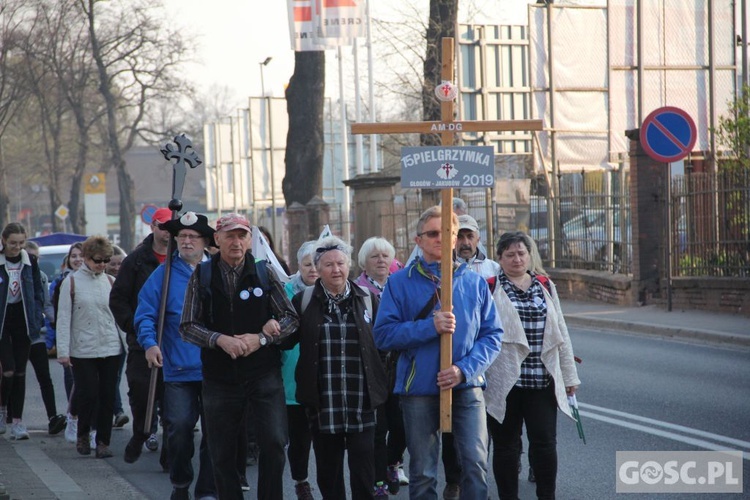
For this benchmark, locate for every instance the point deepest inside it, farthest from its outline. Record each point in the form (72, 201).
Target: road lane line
(49, 472)
(675, 427)
(665, 434)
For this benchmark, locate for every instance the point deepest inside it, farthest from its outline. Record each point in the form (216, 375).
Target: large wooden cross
(446, 127)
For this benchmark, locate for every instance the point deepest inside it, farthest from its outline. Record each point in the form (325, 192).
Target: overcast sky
(234, 36)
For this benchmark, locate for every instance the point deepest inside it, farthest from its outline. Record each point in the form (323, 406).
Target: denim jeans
(225, 406)
(183, 404)
(422, 425)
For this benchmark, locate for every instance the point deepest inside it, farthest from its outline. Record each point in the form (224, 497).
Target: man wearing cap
(236, 310)
(123, 301)
(179, 360)
(468, 251)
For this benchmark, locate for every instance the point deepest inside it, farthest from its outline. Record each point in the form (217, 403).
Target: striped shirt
(344, 400)
(192, 327)
(532, 311)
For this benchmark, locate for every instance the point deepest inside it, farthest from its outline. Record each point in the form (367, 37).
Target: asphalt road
(637, 394)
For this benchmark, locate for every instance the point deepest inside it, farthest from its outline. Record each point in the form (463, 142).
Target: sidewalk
(702, 326)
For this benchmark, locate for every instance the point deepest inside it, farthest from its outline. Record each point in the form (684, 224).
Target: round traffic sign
(668, 134)
(147, 213)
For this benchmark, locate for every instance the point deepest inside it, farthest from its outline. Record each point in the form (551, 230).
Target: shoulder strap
(492, 283)
(72, 288)
(544, 281)
(204, 274)
(306, 297)
(429, 306)
(261, 268)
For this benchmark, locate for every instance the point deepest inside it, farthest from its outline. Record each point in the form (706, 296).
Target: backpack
(204, 279)
(492, 282)
(56, 295)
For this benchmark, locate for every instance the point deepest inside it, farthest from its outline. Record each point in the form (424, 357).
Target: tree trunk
(4, 199)
(442, 23)
(304, 141)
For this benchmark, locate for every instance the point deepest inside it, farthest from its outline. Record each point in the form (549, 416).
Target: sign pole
(446, 258)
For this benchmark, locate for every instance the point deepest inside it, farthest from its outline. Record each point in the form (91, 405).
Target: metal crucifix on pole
(418, 170)
(184, 156)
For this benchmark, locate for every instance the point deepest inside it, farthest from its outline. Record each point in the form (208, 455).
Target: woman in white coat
(89, 340)
(534, 373)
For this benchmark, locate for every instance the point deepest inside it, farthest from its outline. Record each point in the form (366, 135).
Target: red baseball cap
(232, 221)
(161, 216)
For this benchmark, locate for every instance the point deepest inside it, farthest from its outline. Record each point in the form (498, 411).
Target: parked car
(585, 237)
(539, 220)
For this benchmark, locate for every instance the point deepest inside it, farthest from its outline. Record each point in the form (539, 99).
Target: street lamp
(267, 112)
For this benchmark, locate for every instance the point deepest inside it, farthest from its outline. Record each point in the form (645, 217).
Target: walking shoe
(3, 415)
(152, 444)
(83, 445)
(71, 429)
(243, 483)
(380, 490)
(103, 451)
(392, 479)
(452, 491)
(132, 450)
(56, 424)
(532, 477)
(18, 431)
(402, 475)
(180, 493)
(120, 420)
(303, 491)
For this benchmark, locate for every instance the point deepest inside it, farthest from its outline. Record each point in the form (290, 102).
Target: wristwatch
(263, 340)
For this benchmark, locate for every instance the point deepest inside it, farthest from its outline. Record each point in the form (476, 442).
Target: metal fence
(711, 224)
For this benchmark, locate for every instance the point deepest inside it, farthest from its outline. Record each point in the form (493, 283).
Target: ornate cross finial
(183, 154)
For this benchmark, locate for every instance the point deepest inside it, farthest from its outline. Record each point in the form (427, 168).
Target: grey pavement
(28, 472)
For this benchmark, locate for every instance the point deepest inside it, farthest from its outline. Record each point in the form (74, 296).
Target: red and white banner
(325, 24)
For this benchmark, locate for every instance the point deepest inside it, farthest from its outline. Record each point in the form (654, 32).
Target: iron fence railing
(711, 224)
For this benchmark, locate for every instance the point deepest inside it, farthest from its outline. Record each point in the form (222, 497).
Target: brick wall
(726, 295)
(595, 286)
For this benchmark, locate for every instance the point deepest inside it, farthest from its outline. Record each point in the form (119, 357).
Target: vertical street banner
(341, 20)
(325, 24)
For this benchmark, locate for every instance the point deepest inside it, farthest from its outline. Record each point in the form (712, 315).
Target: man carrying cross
(409, 320)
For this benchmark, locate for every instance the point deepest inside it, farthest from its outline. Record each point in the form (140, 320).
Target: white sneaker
(92, 439)
(3, 416)
(402, 476)
(71, 430)
(18, 431)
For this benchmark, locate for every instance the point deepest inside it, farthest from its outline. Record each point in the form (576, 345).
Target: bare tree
(12, 92)
(304, 142)
(137, 60)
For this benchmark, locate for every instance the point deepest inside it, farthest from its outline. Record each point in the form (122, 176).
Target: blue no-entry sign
(668, 134)
(147, 213)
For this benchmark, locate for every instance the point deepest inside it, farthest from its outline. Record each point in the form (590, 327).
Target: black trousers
(14, 355)
(40, 362)
(390, 437)
(329, 460)
(537, 408)
(95, 385)
(139, 375)
(300, 441)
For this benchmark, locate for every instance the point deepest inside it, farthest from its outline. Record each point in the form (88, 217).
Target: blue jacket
(32, 295)
(182, 361)
(476, 341)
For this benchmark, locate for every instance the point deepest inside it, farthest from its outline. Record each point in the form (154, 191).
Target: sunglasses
(430, 234)
(100, 261)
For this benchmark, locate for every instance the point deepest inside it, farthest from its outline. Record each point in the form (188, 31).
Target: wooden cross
(446, 127)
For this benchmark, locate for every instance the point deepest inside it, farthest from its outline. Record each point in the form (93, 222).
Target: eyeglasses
(100, 261)
(430, 234)
(189, 236)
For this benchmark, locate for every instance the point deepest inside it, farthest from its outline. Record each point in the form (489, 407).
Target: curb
(677, 333)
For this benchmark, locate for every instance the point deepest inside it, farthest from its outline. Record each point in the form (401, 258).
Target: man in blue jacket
(181, 361)
(409, 320)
